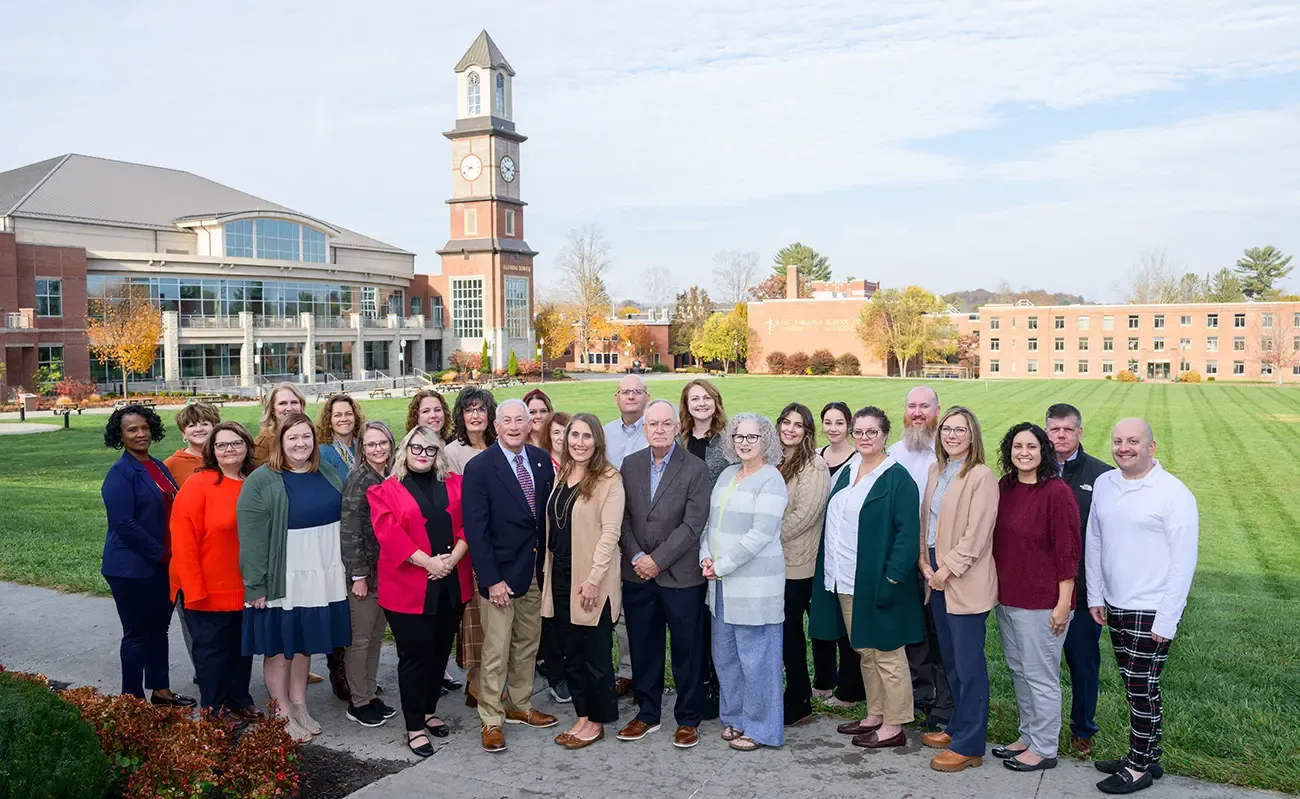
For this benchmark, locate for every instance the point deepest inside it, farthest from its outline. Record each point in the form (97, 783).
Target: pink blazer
(401, 529)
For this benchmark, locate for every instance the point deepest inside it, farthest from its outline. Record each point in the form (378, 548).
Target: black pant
(145, 608)
(588, 662)
(794, 649)
(222, 669)
(846, 677)
(930, 692)
(551, 654)
(651, 612)
(423, 646)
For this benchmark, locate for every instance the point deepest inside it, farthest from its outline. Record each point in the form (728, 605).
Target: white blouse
(841, 543)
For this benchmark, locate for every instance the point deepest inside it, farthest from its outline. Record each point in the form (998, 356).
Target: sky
(951, 143)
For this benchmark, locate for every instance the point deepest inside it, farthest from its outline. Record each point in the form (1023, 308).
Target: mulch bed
(333, 774)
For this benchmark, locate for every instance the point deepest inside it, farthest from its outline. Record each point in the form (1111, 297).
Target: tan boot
(950, 761)
(936, 740)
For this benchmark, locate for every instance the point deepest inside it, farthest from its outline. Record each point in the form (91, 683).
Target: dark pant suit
(1083, 657)
(223, 671)
(961, 642)
(145, 608)
(654, 612)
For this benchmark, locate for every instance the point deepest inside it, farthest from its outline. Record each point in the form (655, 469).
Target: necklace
(563, 515)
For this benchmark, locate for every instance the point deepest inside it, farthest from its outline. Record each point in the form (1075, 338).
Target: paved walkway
(27, 428)
(74, 638)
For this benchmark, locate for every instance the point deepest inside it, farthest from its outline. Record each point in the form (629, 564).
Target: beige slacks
(885, 674)
(511, 636)
(361, 658)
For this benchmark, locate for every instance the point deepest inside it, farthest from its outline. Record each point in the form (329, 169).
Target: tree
(485, 359)
(627, 310)
(810, 262)
(1151, 281)
(554, 328)
(773, 288)
(512, 366)
(638, 335)
(734, 273)
(124, 331)
(1224, 286)
(693, 309)
(724, 337)
(968, 352)
(1277, 343)
(907, 324)
(1260, 269)
(582, 262)
(658, 286)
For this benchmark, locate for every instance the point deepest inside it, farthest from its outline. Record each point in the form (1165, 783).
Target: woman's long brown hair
(805, 451)
(687, 421)
(598, 467)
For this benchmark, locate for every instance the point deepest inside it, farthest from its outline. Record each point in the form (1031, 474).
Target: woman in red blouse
(1036, 553)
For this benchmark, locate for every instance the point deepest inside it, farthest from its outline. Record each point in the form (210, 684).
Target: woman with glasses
(429, 409)
(1036, 550)
(958, 510)
(361, 558)
(866, 581)
(424, 575)
(205, 570)
(539, 418)
(740, 554)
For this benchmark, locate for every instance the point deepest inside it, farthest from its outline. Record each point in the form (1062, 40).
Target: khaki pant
(361, 659)
(886, 675)
(511, 636)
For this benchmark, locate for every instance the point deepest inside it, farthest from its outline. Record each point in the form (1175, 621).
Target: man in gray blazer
(667, 506)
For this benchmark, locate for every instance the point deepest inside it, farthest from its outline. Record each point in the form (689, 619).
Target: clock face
(471, 167)
(508, 169)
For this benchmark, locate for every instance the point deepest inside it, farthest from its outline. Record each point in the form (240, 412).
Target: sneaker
(366, 715)
(560, 693)
(383, 708)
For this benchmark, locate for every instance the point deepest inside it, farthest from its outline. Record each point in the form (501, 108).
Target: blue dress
(312, 617)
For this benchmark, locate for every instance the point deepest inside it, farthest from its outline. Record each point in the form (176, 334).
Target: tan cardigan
(964, 538)
(801, 527)
(597, 524)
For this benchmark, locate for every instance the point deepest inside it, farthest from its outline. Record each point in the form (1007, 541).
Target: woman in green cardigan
(867, 581)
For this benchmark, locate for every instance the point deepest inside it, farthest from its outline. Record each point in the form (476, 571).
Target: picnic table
(122, 403)
(64, 410)
(380, 392)
(207, 399)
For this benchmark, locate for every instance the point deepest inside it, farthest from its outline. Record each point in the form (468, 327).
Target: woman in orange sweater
(205, 569)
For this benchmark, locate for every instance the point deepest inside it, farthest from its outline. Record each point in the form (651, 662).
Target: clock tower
(487, 267)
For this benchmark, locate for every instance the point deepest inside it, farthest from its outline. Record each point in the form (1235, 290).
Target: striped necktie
(526, 483)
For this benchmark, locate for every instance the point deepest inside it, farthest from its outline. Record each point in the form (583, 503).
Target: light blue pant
(1034, 657)
(748, 662)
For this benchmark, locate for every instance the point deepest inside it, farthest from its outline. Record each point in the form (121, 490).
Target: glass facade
(275, 239)
(280, 359)
(376, 356)
(209, 360)
(335, 358)
(208, 297)
(49, 297)
(239, 239)
(517, 307)
(467, 307)
(313, 246)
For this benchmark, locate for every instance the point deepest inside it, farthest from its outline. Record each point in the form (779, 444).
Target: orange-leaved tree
(124, 331)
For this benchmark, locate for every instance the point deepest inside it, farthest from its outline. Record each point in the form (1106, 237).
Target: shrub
(776, 362)
(847, 364)
(463, 361)
(94, 398)
(1210, 379)
(529, 368)
(797, 364)
(512, 365)
(448, 376)
(558, 374)
(821, 362)
(1190, 376)
(484, 358)
(695, 370)
(46, 749)
(659, 367)
(74, 389)
(1108, 377)
(1126, 377)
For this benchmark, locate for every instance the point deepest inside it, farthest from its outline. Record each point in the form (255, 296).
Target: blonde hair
(325, 430)
(441, 465)
(268, 404)
(974, 455)
(277, 459)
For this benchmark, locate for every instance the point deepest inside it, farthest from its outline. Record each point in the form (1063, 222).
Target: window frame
(53, 299)
(463, 306)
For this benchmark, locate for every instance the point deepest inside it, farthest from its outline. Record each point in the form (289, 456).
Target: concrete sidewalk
(74, 638)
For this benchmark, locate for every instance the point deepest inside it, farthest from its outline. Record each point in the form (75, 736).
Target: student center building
(254, 292)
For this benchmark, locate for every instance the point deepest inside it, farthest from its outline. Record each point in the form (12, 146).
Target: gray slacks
(1034, 657)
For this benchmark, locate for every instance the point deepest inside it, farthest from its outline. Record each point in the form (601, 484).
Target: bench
(122, 403)
(329, 395)
(206, 399)
(380, 392)
(64, 410)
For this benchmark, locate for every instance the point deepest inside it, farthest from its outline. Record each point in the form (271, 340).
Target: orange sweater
(205, 544)
(182, 465)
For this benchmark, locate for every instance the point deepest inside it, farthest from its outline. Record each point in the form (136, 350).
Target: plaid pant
(1140, 660)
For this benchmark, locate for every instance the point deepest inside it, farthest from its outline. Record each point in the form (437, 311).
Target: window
(1132, 322)
(49, 296)
(1212, 344)
(1266, 320)
(1239, 367)
(1295, 369)
(1083, 322)
(1058, 345)
(1058, 367)
(1211, 367)
(1108, 344)
(1159, 345)
(1295, 320)
(396, 303)
(996, 324)
(517, 307)
(1238, 343)
(417, 305)
(313, 246)
(1032, 367)
(1266, 343)
(1184, 366)
(1083, 344)
(1083, 367)
(1239, 320)
(1185, 320)
(995, 367)
(375, 356)
(1211, 320)
(435, 309)
(472, 105)
(1033, 323)
(1132, 366)
(1108, 367)
(369, 302)
(1159, 321)
(467, 307)
(50, 355)
(1033, 345)
(1108, 323)
(1184, 343)
(1132, 345)
(239, 239)
(510, 222)
(501, 95)
(995, 345)
(213, 360)
(471, 222)
(1265, 369)
(1295, 344)
(277, 240)
(1058, 323)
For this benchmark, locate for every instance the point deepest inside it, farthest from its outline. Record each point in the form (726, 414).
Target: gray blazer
(668, 527)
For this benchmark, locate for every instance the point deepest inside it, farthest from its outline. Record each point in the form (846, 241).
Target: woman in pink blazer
(424, 575)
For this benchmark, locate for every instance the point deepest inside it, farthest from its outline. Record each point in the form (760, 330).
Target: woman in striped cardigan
(741, 555)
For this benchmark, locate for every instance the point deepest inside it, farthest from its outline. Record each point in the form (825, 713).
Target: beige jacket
(597, 524)
(801, 527)
(964, 539)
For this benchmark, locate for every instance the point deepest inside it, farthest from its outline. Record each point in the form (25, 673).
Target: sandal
(423, 750)
(730, 733)
(745, 744)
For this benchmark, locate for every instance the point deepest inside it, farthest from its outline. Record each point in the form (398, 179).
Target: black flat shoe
(441, 731)
(423, 750)
(1123, 782)
(1113, 766)
(175, 700)
(1015, 764)
(1004, 752)
(449, 685)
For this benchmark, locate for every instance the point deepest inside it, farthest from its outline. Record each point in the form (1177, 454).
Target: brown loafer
(856, 728)
(494, 740)
(872, 740)
(950, 761)
(936, 740)
(622, 687)
(686, 737)
(313, 678)
(575, 742)
(635, 730)
(1083, 746)
(532, 717)
(250, 713)
(562, 737)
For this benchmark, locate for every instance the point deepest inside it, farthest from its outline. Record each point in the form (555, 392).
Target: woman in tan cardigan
(582, 588)
(958, 512)
(807, 482)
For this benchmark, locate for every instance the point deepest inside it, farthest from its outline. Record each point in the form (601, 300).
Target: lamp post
(541, 345)
(259, 368)
(401, 366)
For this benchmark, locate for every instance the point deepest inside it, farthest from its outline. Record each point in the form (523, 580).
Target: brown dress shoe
(872, 740)
(686, 737)
(950, 761)
(856, 728)
(494, 740)
(635, 730)
(574, 742)
(936, 740)
(1081, 745)
(622, 687)
(250, 713)
(313, 678)
(532, 717)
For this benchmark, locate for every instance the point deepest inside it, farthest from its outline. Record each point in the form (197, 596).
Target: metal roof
(484, 53)
(82, 188)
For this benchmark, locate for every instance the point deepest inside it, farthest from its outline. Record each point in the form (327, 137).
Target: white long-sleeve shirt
(1141, 550)
(841, 542)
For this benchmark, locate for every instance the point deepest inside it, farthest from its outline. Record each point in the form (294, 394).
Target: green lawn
(1232, 686)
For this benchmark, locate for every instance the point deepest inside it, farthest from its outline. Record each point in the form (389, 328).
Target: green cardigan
(263, 518)
(886, 615)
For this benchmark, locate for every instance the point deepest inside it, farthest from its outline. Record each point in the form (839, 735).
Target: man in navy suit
(504, 500)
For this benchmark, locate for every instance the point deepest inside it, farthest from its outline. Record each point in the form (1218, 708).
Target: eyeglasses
(954, 431)
(227, 446)
(750, 438)
(376, 445)
(478, 410)
(419, 449)
(870, 434)
(631, 392)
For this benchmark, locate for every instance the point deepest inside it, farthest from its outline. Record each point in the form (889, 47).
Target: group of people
(536, 538)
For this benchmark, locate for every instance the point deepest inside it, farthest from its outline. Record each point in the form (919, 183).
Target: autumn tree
(693, 309)
(554, 328)
(124, 331)
(638, 335)
(724, 337)
(734, 273)
(908, 324)
(968, 352)
(1260, 269)
(773, 288)
(810, 262)
(583, 262)
(627, 310)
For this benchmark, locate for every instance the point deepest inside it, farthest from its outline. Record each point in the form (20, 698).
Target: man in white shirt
(915, 451)
(1141, 555)
(623, 436)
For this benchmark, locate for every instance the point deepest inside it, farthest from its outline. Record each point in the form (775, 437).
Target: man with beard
(915, 451)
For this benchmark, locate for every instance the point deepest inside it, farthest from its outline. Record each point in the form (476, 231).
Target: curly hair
(413, 412)
(324, 424)
(803, 451)
(113, 428)
(772, 451)
(210, 450)
(468, 396)
(1047, 460)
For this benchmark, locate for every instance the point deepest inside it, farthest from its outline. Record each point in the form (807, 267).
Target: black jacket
(1080, 474)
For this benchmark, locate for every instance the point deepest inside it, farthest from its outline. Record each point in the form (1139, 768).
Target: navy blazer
(136, 545)
(503, 534)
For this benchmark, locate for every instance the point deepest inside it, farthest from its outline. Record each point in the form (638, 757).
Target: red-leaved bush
(74, 389)
(529, 368)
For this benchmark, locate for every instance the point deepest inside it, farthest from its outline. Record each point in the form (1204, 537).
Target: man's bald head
(1133, 445)
(632, 398)
(920, 419)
